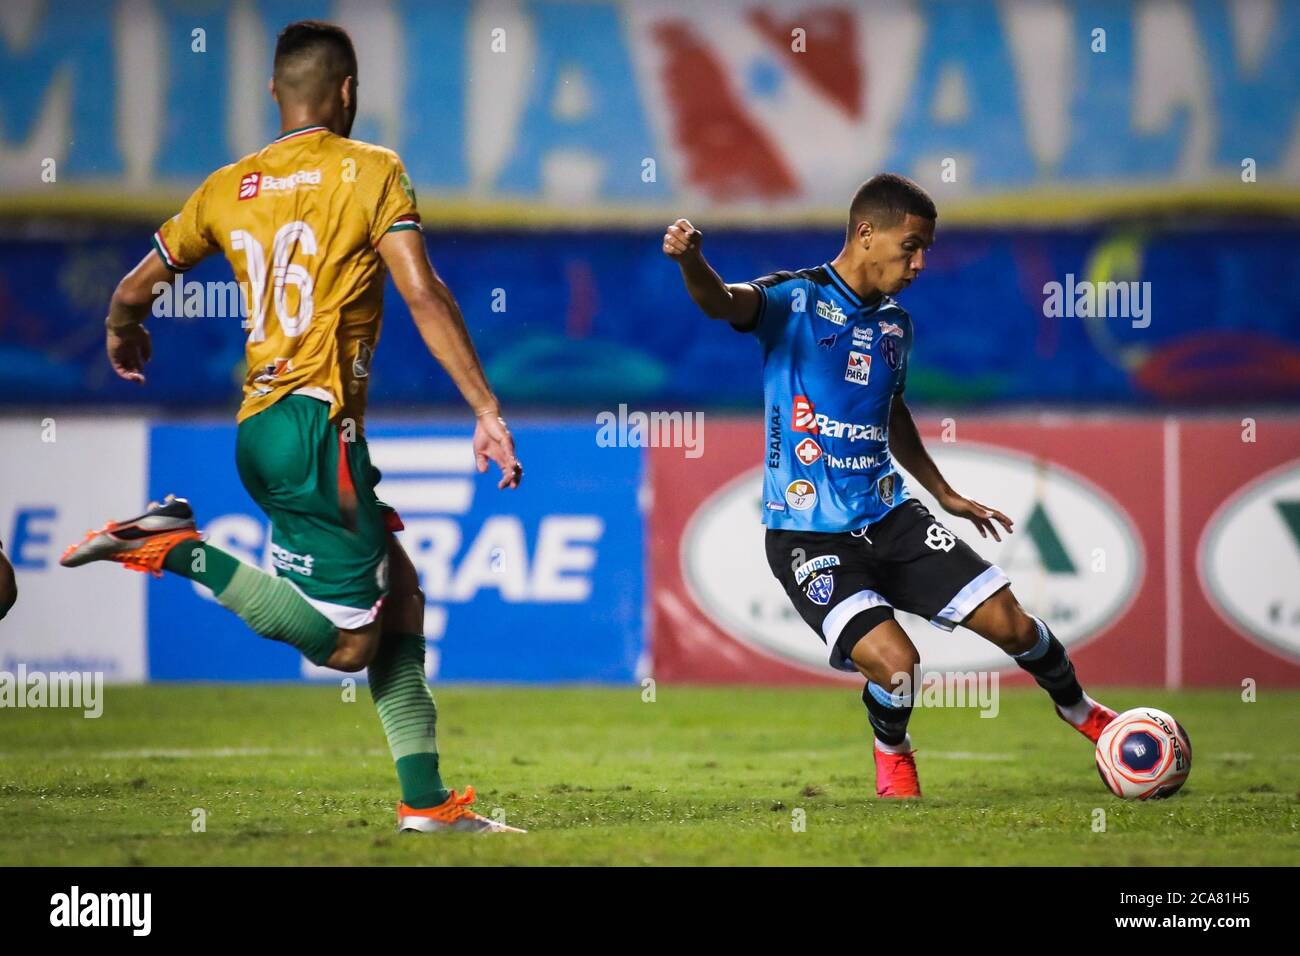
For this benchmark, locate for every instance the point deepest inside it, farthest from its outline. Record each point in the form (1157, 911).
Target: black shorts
(845, 583)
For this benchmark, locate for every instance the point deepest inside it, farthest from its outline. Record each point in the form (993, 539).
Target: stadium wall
(1163, 551)
(581, 319)
(544, 583)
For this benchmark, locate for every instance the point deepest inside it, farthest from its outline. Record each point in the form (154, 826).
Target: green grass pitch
(295, 775)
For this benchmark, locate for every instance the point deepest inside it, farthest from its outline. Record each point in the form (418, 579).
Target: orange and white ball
(1143, 754)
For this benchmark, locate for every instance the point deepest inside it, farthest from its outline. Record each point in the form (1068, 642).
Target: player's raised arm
(909, 451)
(441, 325)
(737, 303)
(180, 243)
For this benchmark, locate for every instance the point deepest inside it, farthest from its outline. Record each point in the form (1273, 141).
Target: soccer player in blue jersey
(844, 537)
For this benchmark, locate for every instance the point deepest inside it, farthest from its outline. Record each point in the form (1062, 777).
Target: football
(1144, 754)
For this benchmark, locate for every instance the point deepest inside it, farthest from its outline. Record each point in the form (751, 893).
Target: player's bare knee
(899, 665)
(1003, 622)
(886, 664)
(1008, 625)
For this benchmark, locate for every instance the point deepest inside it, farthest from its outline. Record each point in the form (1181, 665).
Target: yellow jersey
(299, 221)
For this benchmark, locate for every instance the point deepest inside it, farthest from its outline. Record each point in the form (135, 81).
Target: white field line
(206, 753)
(966, 755)
(196, 753)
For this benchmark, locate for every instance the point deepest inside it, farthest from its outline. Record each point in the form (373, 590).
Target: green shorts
(329, 533)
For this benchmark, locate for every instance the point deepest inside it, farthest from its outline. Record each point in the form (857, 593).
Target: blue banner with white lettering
(541, 583)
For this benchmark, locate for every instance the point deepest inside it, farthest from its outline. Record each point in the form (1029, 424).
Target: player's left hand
(129, 349)
(493, 442)
(982, 516)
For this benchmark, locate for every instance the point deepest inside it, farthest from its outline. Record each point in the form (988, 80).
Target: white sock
(904, 748)
(1078, 713)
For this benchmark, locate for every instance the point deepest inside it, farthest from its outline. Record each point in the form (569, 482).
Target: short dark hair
(886, 199)
(326, 43)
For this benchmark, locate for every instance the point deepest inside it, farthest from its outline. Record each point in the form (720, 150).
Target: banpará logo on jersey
(807, 451)
(820, 588)
(249, 184)
(859, 368)
(804, 418)
(890, 328)
(800, 494)
(1249, 560)
(303, 177)
(812, 566)
(830, 428)
(1075, 559)
(831, 312)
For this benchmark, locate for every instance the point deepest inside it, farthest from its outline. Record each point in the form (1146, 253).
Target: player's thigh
(826, 578)
(280, 454)
(927, 570)
(328, 534)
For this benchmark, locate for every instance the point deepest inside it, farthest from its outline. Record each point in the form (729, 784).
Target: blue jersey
(831, 369)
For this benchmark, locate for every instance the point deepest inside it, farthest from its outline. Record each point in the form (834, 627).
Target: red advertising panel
(1240, 551)
(1117, 547)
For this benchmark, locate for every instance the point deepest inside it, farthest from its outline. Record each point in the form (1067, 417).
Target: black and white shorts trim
(965, 601)
(843, 584)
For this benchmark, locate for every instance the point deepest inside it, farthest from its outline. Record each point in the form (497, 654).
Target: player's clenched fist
(681, 238)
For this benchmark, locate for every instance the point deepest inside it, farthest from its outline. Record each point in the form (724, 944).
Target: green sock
(274, 609)
(409, 716)
(201, 562)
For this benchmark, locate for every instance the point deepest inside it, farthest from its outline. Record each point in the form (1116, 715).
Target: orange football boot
(141, 543)
(453, 814)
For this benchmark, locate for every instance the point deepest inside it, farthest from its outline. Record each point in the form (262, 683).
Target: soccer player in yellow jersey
(310, 224)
